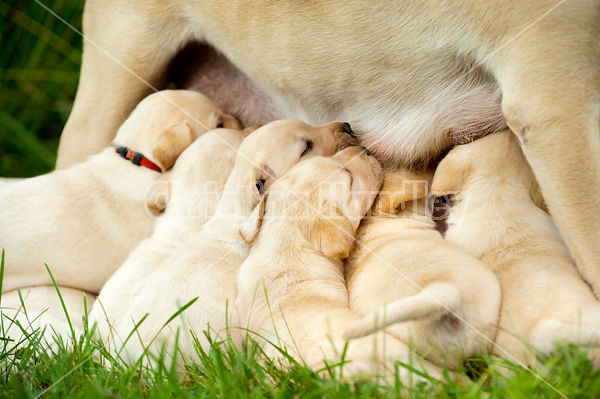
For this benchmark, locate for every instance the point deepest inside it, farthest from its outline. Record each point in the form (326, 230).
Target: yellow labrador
(205, 265)
(84, 221)
(496, 216)
(412, 78)
(291, 288)
(403, 270)
(188, 193)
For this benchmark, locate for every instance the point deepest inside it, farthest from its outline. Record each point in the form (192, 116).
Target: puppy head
(215, 151)
(399, 188)
(276, 147)
(323, 199)
(495, 157)
(167, 122)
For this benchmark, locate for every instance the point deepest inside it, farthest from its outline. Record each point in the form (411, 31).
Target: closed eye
(307, 148)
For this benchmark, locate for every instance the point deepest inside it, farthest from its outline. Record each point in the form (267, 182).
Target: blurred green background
(40, 58)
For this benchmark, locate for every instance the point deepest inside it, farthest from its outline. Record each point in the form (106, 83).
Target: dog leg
(549, 333)
(550, 77)
(125, 45)
(434, 301)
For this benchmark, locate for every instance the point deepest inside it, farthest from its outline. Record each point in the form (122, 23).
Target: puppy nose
(348, 129)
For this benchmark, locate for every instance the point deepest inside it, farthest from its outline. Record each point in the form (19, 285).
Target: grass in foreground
(78, 368)
(30, 371)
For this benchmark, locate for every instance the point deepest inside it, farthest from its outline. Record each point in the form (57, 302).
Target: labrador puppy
(84, 221)
(497, 215)
(291, 290)
(413, 78)
(201, 272)
(188, 194)
(403, 270)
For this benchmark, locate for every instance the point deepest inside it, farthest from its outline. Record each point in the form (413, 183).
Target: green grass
(79, 368)
(39, 70)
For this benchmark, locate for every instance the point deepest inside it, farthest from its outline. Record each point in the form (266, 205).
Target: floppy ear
(249, 231)
(158, 198)
(171, 144)
(229, 122)
(452, 173)
(398, 187)
(334, 236)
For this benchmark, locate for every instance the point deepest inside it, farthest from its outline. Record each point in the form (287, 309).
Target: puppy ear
(398, 187)
(171, 144)
(158, 198)
(452, 173)
(334, 236)
(228, 122)
(249, 231)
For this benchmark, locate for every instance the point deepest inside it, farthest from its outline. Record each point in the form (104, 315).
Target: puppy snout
(346, 128)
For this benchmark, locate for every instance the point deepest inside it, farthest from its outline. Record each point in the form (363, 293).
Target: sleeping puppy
(85, 220)
(404, 270)
(43, 311)
(205, 266)
(496, 216)
(190, 191)
(291, 289)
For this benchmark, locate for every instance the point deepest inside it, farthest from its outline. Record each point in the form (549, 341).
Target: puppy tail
(434, 301)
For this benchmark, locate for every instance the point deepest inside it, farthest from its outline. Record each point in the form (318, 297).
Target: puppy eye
(221, 125)
(446, 199)
(260, 186)
(309, 146)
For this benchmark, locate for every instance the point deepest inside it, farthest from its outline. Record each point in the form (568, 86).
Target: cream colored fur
(412, 78)
(292, 292)
(205, 264)
(402, 270)
(84, 221)
(496, 216)
(188, 194)
(4, 181)
(43, 316)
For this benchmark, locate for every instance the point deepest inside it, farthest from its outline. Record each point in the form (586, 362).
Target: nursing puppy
(496, 216)
(291, 288)
(84, 221)
(403, 270)
(44, 312)
(190, 192)
(204, 267)
(415, 77)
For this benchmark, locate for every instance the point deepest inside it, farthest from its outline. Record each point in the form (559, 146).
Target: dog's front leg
(550, 76)
(127, 47)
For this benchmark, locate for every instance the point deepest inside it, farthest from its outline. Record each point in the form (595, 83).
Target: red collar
(137, 158)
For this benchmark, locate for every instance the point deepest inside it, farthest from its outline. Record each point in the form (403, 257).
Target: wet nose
(348, 129)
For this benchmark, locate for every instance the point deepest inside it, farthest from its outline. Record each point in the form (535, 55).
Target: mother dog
(412, 77)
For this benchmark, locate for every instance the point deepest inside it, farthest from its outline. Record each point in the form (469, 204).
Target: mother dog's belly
(402, 124)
